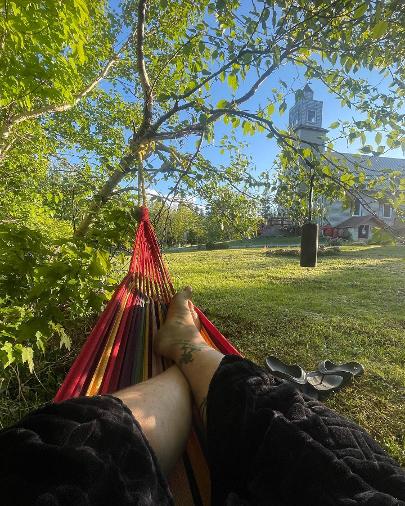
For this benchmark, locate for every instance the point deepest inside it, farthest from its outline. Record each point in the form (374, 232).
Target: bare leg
(180, 340)
(162, 407)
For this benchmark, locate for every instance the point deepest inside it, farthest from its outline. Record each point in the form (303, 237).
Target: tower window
(311, 116)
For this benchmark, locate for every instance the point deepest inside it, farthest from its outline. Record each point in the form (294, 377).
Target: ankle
(184, 351)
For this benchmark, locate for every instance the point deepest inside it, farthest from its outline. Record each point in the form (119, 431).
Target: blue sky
(263, 151)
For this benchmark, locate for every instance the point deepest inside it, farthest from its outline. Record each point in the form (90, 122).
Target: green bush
(283, 252)
(296, 252)
(338, 241)
(381, 236)
(216, 245)
(45, 283)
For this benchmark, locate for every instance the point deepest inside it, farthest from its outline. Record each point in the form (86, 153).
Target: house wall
(335, 212)
(354, 232)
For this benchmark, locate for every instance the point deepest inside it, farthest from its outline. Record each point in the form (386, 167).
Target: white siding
(335, 213)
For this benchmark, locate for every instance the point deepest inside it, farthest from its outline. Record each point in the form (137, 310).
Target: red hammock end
(143, 214)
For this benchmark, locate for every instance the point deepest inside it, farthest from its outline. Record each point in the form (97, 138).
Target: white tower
(305, 117)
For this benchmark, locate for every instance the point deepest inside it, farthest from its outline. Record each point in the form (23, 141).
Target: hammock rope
(119, 352)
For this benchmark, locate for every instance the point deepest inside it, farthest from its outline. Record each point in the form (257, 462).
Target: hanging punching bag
(309, 245)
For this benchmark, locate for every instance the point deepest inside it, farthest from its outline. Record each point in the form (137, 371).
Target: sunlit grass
(351, 307)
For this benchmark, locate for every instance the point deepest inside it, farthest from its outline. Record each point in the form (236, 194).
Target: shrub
(329, 250)
(216, 245)
(338, 241)
(44, 284)
(381, 236)
(295, 252)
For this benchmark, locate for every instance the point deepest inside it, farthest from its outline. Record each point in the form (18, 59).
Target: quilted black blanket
(270, 445)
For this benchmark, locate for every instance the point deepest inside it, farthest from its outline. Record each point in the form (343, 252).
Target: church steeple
(307, 92)
(305, 117)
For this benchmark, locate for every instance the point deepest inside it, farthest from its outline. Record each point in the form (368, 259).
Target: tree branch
(140, 63)
(197, 127)
(13, 121)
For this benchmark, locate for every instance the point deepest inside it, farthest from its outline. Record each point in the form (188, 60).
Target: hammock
(119, 352)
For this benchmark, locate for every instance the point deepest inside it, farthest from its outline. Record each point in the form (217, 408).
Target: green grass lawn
(351, 307)
(251, 243)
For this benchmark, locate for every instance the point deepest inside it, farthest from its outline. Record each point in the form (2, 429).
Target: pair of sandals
(329, 377)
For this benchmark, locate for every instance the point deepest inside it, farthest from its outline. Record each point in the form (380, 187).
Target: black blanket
(268, 445)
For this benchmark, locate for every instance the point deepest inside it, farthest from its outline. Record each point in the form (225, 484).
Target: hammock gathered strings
(119, 352)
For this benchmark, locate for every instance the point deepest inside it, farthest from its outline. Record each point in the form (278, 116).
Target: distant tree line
(230, 215)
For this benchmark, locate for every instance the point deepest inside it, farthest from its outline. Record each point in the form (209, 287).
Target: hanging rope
(144, 150)
(141, 185)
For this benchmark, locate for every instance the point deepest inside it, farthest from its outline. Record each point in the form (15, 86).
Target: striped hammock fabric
(119, 352)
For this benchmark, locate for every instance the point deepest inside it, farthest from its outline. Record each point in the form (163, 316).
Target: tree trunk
(104, 194)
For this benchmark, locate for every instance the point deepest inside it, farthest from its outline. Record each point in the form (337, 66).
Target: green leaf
(347, 179)
(335, 124)
(222, 104)
(16, 10)
(64, 338)
(40, 342)
(378, 137)
(361, 9)
(99, 264)
(327, 170)
(283, 107)
(27, 356)
(270, 109)
(248, 128)
(348, 65)
(80, 52)
(379, 29)
(202, 119)
(233, 81)
(8, 349)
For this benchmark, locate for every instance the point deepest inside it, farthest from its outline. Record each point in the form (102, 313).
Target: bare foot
(180, 336)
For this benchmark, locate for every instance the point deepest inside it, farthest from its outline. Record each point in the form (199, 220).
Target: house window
(387, 211)
(363, 231)
(356, 208)
(311, 115)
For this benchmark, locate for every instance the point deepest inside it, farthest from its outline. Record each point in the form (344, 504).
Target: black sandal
(328, 382)
(354, 368)
(293, 373)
